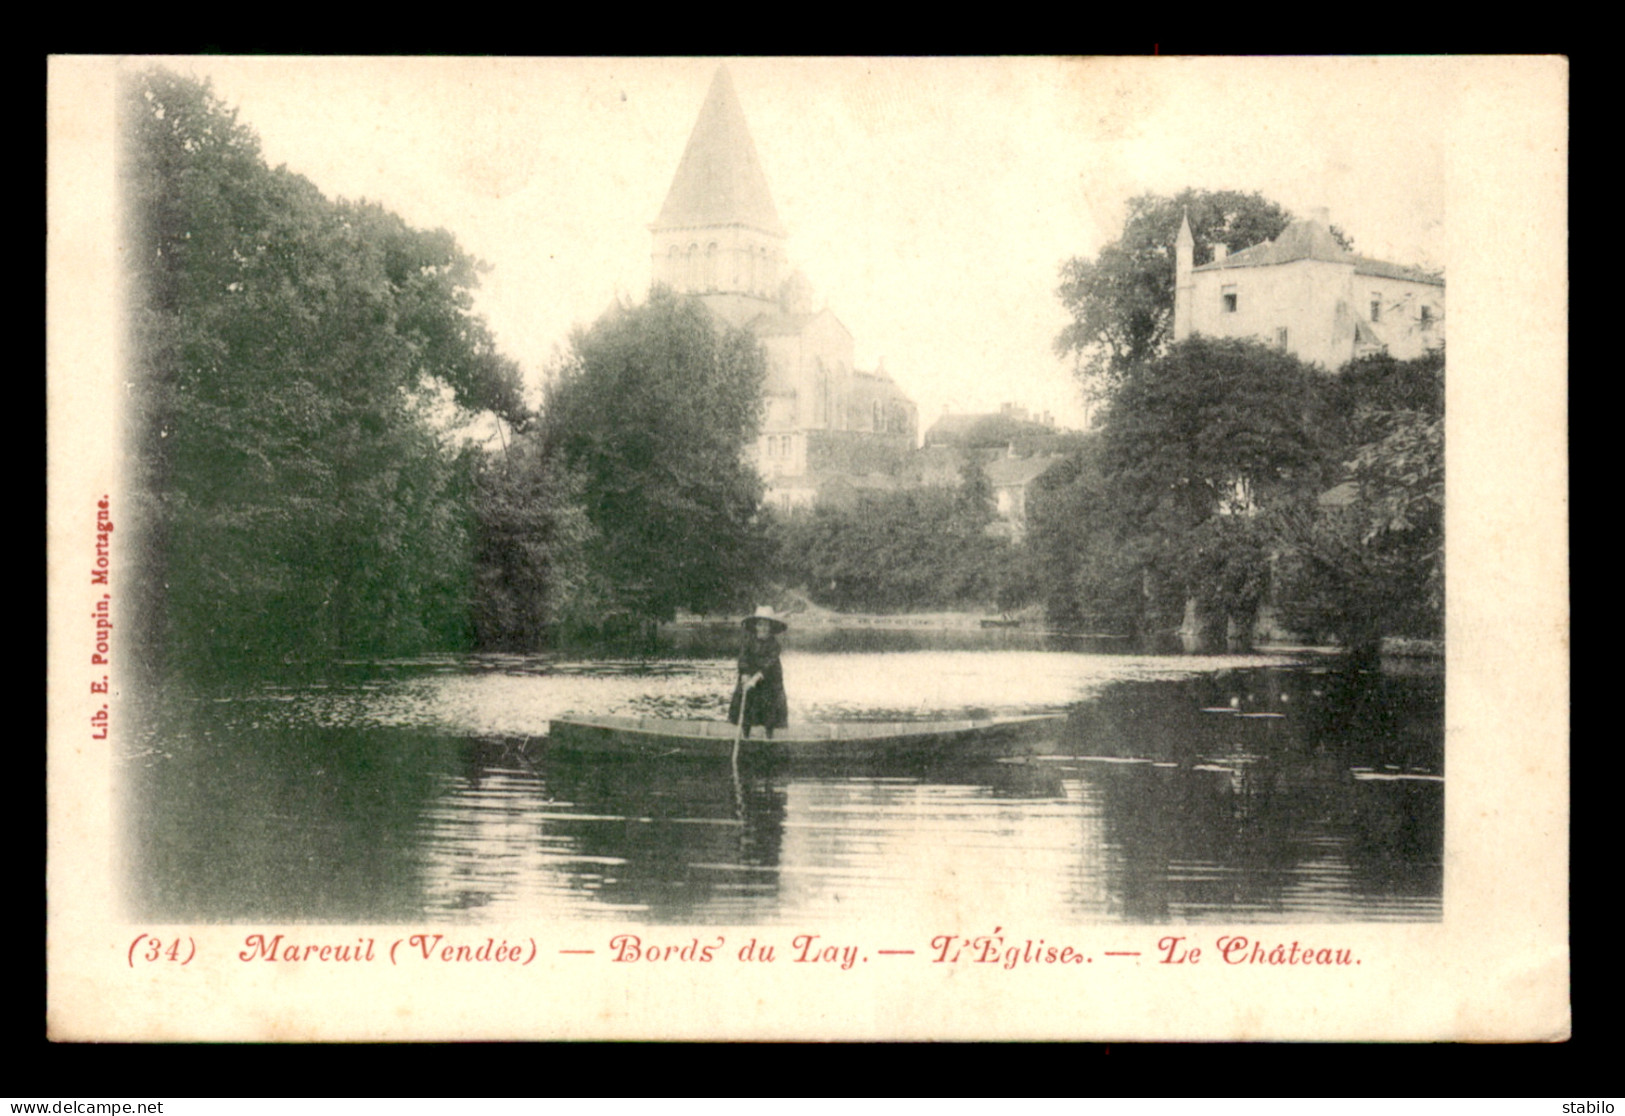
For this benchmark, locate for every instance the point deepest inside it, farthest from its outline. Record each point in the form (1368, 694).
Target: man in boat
(758, 697)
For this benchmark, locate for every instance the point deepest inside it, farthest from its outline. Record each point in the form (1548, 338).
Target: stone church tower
(718, 238)
(718, 235)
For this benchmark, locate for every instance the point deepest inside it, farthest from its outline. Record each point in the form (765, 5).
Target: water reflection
(1177, 791)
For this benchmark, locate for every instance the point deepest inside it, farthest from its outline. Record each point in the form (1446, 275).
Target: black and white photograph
(966, 538)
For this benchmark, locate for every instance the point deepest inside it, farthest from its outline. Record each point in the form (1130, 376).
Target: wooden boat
(829, 742)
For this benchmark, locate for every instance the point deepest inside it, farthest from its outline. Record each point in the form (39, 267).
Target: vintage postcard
(807, 549)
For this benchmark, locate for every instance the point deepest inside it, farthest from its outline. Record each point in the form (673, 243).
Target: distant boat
(999, 622)
(828, 742)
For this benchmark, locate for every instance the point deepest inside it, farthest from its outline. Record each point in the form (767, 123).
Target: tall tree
(1369, 560)
(923, 548)
(1202, 446)
(1122, 301)
(533, 576)
(653, 408)
(295, 363)
(1089, 565)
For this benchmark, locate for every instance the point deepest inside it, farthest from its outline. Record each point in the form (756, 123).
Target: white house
(1304, 293)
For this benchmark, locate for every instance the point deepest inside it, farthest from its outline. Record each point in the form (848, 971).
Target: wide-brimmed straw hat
(764, 612)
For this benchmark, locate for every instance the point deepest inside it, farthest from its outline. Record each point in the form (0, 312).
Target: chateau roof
(1310, 240)
(720, 180)
(1301, 240)
(1364, 265)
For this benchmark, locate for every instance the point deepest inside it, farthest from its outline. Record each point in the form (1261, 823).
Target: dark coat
(767, 704)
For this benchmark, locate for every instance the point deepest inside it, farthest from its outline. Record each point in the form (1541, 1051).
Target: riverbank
(813, 616)
(1399, 647)
(1398, 654)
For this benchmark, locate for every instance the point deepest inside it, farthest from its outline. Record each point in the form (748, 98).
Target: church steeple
(720, 180)
(718, 234)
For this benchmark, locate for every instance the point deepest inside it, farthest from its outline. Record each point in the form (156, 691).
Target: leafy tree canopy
(532, 573)
(1202, 447)
(1088, 568)
(1371, 562)
(1215, 426)
(1122, 301)
(924, 548)
(292, 362)
(995, 431)
(652, 408)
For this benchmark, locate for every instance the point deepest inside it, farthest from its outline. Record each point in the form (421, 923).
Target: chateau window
(1280, 338)
(1427, 317)
(711, 266)
(1376, 306)
(1227, 297)
(879, 420)
(691, 271)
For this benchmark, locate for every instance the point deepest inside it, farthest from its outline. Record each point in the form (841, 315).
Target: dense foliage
(651, 412)
(1372, 561)
(1201, 450)
(912, 550)
(533, 578)
(1089, 574)
(294, 361)
(1229, 476)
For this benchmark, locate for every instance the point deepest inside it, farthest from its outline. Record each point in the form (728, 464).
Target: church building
(718, 238)
(1305, 293)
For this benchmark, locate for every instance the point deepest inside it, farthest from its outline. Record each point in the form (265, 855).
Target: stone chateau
(1304, 293)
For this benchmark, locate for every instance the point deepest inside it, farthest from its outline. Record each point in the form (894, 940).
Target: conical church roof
(720, 180)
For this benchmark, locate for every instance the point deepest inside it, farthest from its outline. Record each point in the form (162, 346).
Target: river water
(1178, 789)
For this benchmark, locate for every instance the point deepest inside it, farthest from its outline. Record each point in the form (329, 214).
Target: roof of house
(720, 180)
(953, 427)
(1008, 471)
(986, 431)
(1301, 240)
(1365, 265)
(1304, 239)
